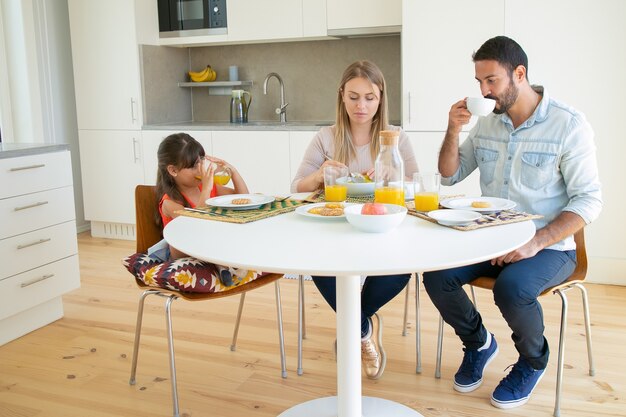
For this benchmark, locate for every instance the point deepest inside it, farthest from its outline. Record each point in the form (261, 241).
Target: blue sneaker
(470, 374)
(515, 389)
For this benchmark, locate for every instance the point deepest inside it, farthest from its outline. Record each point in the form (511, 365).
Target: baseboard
(120, 231)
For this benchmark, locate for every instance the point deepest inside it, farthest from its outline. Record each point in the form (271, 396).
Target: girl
(185, 179)
(361, 114)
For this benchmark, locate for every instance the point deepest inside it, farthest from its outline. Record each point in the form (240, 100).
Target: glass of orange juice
(389, 195)
(222, 175)
(426, 191)
(332, 189)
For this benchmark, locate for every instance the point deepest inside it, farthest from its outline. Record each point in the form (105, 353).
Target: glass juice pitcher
(389, 167)
(239, 106)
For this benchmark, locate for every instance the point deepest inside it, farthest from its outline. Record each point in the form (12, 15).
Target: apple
(373, 209)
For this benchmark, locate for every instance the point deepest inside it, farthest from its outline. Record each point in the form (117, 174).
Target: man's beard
(506, 100)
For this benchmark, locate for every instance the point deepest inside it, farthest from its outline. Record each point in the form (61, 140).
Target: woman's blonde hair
(344, 148)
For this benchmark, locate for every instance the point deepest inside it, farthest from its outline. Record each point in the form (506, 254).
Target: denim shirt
(546, 165)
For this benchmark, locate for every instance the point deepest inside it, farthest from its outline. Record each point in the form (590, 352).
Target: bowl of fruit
(375, 217)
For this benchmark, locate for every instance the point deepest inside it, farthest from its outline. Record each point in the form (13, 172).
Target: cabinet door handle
(28, 167)
(40, 203)
(36, 280)
(135, 153)
(27, 245)
(133, 119)
(409, 108)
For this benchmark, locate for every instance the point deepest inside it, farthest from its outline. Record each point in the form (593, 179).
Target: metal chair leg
(281, 335)
(418, 326)
(473, 296)
(439, 348)
(233, 345)
(559, 369)
(300, 321)
(406, 310)
(170, 344)
(133, 368)
(303, 304)
(583, 291)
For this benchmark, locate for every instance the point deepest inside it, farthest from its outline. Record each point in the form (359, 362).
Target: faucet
(282, 109)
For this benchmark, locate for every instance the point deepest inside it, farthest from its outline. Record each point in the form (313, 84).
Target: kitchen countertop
(252, 125)
(12, 150)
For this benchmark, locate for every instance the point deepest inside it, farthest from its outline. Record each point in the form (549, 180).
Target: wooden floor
(79, 366)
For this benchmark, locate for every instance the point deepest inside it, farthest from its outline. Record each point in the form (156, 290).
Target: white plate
(465, 203)
(452, 217)
(304, 211)
(224, 201)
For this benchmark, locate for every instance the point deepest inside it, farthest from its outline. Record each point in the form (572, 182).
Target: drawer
(33, 173)
(31, 250)
(21, 292)
(36, 211)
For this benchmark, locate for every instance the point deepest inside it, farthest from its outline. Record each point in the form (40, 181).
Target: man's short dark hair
(505, 51)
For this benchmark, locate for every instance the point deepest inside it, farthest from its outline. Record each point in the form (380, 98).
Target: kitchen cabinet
(112, 165)
(252, 21)
(37, 241)
(151, 139)
(438, 39)
(426, 147)
(105, 56)
(280, 19)
(261, 157)
(298, 144)
(355, 17)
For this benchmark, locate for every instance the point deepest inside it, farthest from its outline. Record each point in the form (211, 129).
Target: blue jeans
(376, 292)
(515, 292)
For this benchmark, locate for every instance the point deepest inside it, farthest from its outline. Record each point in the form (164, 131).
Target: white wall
(578, 52)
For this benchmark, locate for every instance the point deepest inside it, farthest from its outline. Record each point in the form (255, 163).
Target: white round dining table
(296, 244)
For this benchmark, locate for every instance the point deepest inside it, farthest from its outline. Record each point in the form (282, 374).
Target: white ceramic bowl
(448, 217)
(356, 189)
(379, 223)
(480, 106)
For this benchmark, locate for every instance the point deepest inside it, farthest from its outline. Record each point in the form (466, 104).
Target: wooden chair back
(579, 274)
(147, 231)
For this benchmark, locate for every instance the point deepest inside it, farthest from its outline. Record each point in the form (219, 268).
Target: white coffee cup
(480, 106)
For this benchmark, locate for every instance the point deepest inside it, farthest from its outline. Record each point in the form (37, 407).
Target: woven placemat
(319, 197)
(243, 216)
(487, 220)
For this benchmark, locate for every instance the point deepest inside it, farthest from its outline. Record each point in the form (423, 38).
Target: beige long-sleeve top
(322, 144)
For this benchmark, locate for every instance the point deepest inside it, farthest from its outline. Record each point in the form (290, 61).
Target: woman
(353, 141)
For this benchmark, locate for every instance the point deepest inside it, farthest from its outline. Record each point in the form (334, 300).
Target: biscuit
(327, 211)
(481, 204)
(240, 201)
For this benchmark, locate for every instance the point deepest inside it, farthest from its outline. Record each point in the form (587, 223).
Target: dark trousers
(515, 292)
(376, 292)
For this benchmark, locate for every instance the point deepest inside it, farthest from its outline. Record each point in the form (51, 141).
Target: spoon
(355, 176)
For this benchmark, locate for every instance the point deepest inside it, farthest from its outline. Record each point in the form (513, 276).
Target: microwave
(192, 18)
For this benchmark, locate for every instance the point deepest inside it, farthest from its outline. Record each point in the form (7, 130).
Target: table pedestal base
(372, 407)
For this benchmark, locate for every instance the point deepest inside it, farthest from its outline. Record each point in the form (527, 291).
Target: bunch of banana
(208, 74)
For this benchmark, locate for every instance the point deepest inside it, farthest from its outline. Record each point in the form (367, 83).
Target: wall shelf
(216, 84)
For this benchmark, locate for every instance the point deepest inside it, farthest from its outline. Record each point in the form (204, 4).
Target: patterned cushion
(185, 274)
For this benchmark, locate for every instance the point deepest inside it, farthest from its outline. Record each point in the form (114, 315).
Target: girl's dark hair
(505, 51)
(181, 151)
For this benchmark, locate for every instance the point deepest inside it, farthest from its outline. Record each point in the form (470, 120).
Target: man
(539, 153)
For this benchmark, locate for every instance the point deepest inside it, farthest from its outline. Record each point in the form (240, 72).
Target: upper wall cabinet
(438, 39)
(358, 17)
(252, 21)
(106, 64)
